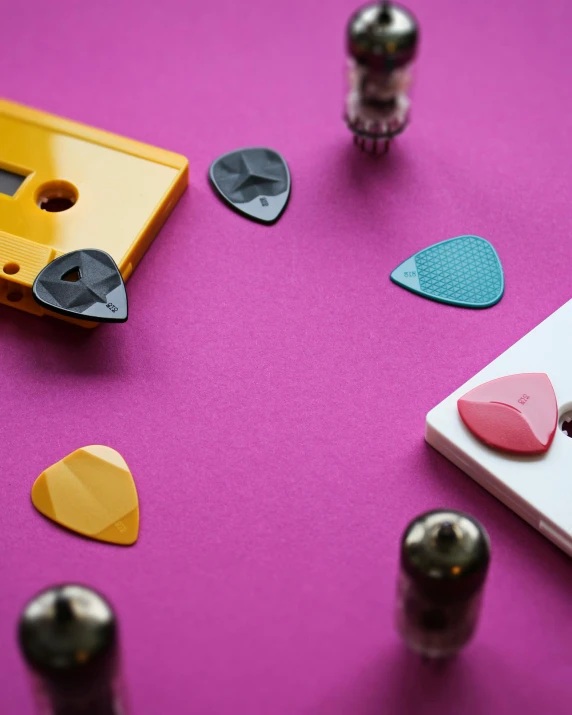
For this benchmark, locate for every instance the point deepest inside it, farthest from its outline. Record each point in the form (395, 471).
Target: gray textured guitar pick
(83, 284)
(255, 182)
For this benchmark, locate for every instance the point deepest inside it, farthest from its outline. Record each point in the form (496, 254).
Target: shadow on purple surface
(402, 683)
(56, 347)
(367, 175)
(415, 686)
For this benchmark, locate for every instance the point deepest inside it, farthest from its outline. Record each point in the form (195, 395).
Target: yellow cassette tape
(65, 187)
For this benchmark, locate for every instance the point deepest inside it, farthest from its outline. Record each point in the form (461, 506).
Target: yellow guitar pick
(92, 492)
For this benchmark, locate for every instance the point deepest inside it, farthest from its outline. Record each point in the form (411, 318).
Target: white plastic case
(537, 488)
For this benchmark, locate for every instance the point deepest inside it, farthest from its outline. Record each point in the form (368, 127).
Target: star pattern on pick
(249, 176)
(81, 293)
(85, 284)
(73, 295)
(255, 181)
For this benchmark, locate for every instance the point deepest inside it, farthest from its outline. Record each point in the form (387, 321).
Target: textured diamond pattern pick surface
(516, 413)
(83, 284)
(91, 492)
(255, 182)
(463, 271)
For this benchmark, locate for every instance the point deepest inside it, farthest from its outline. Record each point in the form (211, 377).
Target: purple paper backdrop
(270, 388)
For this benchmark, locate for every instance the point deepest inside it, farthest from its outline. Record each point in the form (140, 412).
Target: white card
(537, 488)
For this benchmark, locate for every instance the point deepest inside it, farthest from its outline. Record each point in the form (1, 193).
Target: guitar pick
(517, 413)
(91, 492)
(256, 182)
(83, 284)
(464, 271)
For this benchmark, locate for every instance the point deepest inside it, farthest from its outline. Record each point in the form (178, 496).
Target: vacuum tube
(382, 41)
(68, 637)
(444, 562)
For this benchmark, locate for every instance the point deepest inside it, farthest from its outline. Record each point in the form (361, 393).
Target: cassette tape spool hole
(565, 419)
(57, 196)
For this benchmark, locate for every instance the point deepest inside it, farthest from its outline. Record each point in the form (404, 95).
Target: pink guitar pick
(517, 413)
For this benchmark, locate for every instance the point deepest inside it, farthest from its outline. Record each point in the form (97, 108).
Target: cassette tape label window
(10, 182)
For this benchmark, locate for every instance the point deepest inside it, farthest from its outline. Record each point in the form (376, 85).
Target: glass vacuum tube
(68, 637)
(382, 41)
(444, 562)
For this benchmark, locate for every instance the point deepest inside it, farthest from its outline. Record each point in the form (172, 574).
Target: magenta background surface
(270, 388)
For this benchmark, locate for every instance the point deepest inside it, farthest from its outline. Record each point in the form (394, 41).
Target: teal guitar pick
(464, 271)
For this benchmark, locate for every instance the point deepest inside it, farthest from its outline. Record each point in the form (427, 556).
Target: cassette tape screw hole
(57, 196)
(11, 269)
(15, 296)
